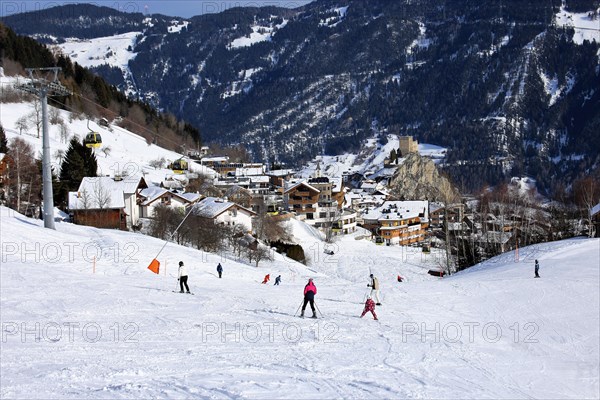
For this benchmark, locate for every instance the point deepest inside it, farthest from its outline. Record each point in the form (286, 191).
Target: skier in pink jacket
(310, 290)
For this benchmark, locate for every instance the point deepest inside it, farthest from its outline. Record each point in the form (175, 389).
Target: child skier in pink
(369, 306)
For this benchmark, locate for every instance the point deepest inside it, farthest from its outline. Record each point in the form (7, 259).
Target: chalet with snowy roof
(399, 222)
(107, 202)
(154, 196)
(301, 198)
(224, 212)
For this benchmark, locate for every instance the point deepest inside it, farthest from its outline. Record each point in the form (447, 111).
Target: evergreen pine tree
(79, 162)
(393, 156)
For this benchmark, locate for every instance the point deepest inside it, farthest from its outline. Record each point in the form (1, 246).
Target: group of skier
(310, 290)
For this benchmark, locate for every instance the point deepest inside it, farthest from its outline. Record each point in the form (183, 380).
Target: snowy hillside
(122, 151)
(490, 332)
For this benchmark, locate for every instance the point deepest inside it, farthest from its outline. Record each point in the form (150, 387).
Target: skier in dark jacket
(310, 290)
(537, 269)
(278, 280)
(220, 270)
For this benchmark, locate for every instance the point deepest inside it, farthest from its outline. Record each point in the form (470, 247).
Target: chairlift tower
(43, 88)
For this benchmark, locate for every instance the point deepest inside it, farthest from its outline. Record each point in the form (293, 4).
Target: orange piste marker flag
(154, 266)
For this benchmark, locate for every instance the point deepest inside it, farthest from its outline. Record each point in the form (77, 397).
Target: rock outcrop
(419, 178)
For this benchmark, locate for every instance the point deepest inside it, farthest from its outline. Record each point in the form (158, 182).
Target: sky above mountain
(178, 8)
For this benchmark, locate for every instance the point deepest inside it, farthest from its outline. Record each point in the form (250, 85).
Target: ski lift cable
(154, 134)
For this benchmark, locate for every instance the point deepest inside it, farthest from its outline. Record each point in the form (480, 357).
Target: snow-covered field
(585, 27)
(490, 332)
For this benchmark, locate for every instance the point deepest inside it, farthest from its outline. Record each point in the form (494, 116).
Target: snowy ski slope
(490, 332)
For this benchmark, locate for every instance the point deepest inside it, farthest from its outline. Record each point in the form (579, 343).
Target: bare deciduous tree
(587, 195)
(158, 163)
(258, 253)
(54, 116)
(23, 175)
(22, 124)
(64, 132)
(36, 116)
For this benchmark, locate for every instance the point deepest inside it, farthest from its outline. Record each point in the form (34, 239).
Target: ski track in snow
(172, 352)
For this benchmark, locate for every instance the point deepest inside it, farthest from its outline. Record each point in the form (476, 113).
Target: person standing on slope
(278, 280)
(310, 290)
(182, 277)
(374, 285)
(220, 270)
(537, 269)
(267, 279)
(369, 306)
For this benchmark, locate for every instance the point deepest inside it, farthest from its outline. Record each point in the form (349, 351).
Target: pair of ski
(176, 291)
(302, 316)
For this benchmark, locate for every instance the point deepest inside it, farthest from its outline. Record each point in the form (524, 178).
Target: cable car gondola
(92, 139)
(179, 166)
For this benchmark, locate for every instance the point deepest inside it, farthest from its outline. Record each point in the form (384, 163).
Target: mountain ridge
(502, 85)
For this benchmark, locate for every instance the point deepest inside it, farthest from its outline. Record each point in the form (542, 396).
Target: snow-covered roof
(260, 179)
(237, 189)
(249, 171)
(224, 159)
(368, 185)
(127, 185)
(294, 185)
(191, 197)
(399, 210)
(212, 207)
(281, 172)
(596, 209)
(101, 199)
(433, 207)
(152, 193)
(103, 192)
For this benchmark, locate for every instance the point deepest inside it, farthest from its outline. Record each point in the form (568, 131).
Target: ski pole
(302, 302)
(318, 309)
